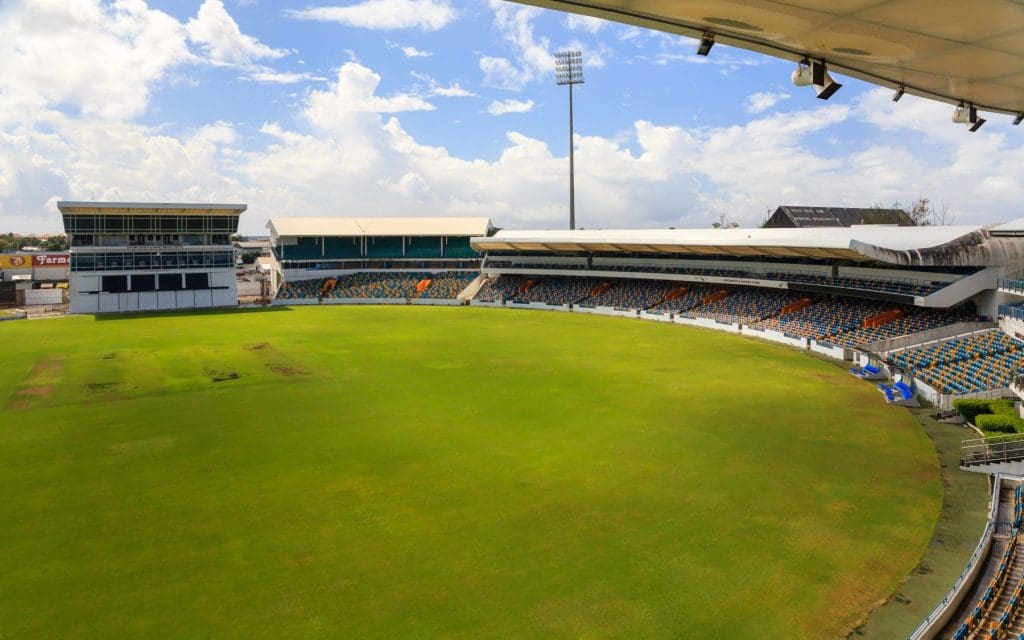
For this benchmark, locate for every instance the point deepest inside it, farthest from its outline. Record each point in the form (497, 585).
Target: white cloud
(584, 23)
(501, 107)
(533, 54)
(413, 52)
(223, 41)
(102, 60)
(454, 90)
(425, 15)
(434, 88)
(764, 100)
(354, 92)
(339, 151)
(265, 75)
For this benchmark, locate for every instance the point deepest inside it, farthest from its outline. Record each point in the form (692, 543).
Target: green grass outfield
(410, 472)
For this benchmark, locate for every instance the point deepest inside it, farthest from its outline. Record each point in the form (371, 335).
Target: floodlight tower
(569, 71)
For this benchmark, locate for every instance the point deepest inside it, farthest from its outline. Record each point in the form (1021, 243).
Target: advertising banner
(13, 261)
(51, 260)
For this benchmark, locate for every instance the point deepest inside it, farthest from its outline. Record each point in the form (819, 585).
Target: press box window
(197, 281)
(170, 281)
(115, 284)
(144, 283)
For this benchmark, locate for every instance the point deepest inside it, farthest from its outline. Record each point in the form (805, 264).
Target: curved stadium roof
(910, 246)
(953, 51)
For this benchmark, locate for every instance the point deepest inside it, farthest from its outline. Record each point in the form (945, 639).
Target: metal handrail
(992, 449)
(958, 584)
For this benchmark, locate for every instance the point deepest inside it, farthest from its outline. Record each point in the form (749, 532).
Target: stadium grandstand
(150, 256)
(338, 260)
(849, 292)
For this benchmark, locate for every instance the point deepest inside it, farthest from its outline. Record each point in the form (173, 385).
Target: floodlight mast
(569, 71)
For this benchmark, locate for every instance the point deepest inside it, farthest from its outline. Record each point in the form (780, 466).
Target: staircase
(1004, 454)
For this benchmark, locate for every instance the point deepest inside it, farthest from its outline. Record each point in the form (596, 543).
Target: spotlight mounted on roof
(706, 42)
(808, 74)
(899, 93)
(1018, 119)
(967, 114)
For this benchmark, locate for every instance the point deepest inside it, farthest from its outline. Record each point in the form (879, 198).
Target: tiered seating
(914, 320)
(978, 362)
(746, 305)
(692, 297)
(447, 285)
(381, 284)
(632, 294)
(500, 288)
(826, 317)
(558, 290)
(891, 285)
(301, 289)
(986, 621)
(378, 284)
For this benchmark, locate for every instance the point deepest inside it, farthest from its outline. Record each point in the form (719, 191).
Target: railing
(1015, 311)
(1011, 284)
(962, 581)
(992, 450)
(967, 577)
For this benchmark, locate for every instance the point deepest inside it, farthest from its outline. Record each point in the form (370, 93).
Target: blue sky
(444, 107)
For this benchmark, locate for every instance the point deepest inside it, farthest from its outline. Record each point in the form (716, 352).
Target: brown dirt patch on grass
(42, 390)
(286, 370)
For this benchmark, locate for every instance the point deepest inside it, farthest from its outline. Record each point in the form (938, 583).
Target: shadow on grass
(216, 311)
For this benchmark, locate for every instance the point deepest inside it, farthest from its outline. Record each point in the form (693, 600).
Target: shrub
(1003, 407)
(999, 423)
(971, 408)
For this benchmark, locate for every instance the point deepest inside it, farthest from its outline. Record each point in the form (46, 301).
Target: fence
(943, 611)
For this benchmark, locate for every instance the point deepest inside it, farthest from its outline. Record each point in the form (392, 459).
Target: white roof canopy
(149, 208)
(971, 51)
(920, 246)
(379, 227)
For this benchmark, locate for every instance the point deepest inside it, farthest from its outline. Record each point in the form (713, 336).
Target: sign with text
(50, 260)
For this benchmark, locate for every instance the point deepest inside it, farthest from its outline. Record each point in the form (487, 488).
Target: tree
(57, 243)
(925, 214)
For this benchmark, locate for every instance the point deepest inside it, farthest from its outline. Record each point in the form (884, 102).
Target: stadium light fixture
(1018, 119)
(967, 114)
(706, 42)
(815, 74)
(569, 72)
(899, 93)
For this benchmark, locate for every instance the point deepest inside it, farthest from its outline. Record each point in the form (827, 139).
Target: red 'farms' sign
(50, 260)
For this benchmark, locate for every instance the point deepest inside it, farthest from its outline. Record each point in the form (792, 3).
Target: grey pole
(569, 71)
(572, 169)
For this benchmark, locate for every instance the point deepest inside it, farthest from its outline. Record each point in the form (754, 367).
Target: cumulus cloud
(413, 52)
(425, 15)
(533, 57)
(454, 90)
(104, 60)
(764, 100)
(501, 107)
(69, 129)
(223, 41)
(356, 91)
(584, 23)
